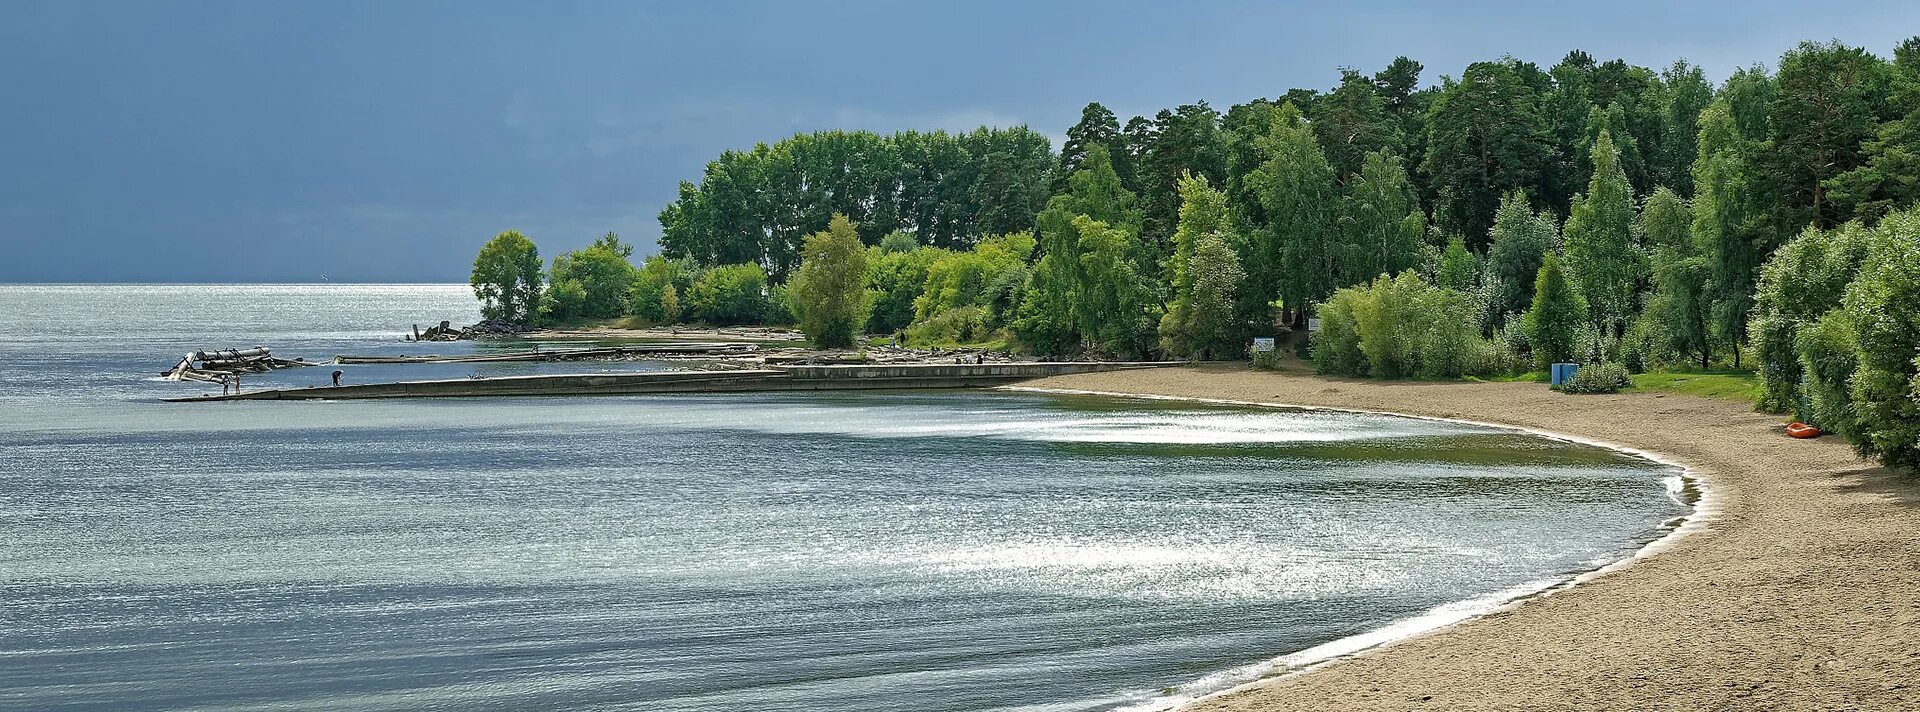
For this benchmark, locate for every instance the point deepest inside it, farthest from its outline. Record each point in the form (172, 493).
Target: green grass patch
(1732, 385)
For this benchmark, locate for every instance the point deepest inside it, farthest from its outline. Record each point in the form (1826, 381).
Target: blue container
(1563, 371)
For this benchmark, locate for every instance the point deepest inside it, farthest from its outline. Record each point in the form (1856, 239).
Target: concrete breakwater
(779, 378)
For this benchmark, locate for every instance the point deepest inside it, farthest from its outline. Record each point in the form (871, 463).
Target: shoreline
(1700, 509)
(1721, 611)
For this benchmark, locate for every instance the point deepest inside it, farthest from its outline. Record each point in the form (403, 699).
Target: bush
(953, 327)
(658, 277)
(1606, 377)
(1555, 322)
(1267, 360)
(1397, 327)
(1803, 280)
(829, 292)
(729, 294)
(1828, 357)
(1883, 304)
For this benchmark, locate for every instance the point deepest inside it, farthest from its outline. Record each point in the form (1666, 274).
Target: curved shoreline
(1700, 510)
(1794, 583)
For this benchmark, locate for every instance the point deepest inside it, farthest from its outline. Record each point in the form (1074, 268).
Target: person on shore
(336, 379)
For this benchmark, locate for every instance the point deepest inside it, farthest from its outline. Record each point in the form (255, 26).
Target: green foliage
(1459, 270)
(894, 281)
(1599, 234)
(981, 277)
(1553, 324)
(1186, 139)
(1723, 219)
(1521, 240)
(1829, 102)
(1680, 312)
(1296, 192)
(1889, 179)
(1352, 122)
(657, 279)
(506, 278)
(1202, 323)
(1108, 303)
(828, 293)
(729, 294)
(1829, 355)
(1397, 327)
(1883, 304)
(759, 205)
(1382, 229)
(1805, 279)
(1204, 215)
(1592, 378)
(1053, 310)
(897, 241)
(1486, 138)
(592, 283)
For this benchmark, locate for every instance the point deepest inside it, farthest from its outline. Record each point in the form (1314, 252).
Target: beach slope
(1802, 592)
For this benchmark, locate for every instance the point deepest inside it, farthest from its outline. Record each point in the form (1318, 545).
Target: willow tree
(830, 289)
(1723, 222)
(1382, 229)
(1681, 308)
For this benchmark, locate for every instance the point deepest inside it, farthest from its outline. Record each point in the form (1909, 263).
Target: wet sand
(1801, 592)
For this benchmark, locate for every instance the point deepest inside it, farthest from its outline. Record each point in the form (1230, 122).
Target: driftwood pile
(446, 331)
(219, 366)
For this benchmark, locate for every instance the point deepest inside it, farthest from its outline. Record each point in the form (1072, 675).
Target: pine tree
(1486, 137)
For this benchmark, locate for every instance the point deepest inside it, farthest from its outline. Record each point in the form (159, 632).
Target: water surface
(858, 551)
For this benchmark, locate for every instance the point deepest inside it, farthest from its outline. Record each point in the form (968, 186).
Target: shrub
(1606, 377)
(829, 293)
(953, 327)
(1267, 360)
(1828, 357)
(1803, 280)
(1554, 323)
(1883, 304)
(729, 294)
(1397, 327)
(652, 283)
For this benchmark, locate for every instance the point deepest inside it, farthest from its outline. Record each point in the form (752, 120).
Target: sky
(385, 141)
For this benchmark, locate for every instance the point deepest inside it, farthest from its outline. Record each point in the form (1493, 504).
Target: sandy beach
(1802, 592)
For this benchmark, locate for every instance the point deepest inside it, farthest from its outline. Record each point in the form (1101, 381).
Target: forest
(1484, 225)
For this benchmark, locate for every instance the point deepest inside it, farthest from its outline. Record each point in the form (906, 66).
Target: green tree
(1890, 177)
(658, 276)
(1486, 138)
(1203, 212)
(1554, 322)
(828, 293)
(1459, 270)
(1681, 307)
(1521, 241)
(1381, 227)
(592, 283)
(897, 241)
(1097, 126)
(1805, 279)
(1352, 122)
(729, 294)
(894, 281)
(1186, 139)
(1049, 316)
(1296, 191)
(1883, 304)
(1108, 302)
(1212, 331)
(1686, 94)
(1599, 236)
(506, 278)
(1723, 226)
(1830, 100)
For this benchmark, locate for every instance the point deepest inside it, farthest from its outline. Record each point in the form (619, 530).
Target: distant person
(336, 378)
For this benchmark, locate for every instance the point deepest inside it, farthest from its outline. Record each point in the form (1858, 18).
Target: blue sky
(384, 141)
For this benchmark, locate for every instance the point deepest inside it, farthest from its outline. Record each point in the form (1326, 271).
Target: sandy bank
(1801, 593)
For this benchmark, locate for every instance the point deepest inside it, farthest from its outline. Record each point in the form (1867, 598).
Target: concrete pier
(782, 378)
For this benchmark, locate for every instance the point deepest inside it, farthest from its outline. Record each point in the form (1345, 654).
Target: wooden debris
(220, 366)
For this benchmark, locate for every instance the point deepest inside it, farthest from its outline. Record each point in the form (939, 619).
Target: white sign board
(1313, 324)
(1263, 343)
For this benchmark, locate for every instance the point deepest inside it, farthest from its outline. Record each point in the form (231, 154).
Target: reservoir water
(911, 551)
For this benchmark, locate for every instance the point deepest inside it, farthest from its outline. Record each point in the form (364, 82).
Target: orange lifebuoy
(1802, 430)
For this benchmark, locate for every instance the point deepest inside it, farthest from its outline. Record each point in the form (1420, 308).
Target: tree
(1599, 234)
(1723, 227)
(592, 283)
(1352, 122)
(1184, 140)
(1681, 306)
(1686, 94)
(1296, 191)
(1459, 270)
(1521, 241)
(1805, 279)
(1108, 301)
(1381, 226)
(506, 278)
(1883, 304)
(1487, 138)
(1211, 329)
(729, 294)
(1203, 213)
(1554, 322)
(1830, 100)
(1099, 126)
(657, 277)
(829, 291)
(894, 281)
(1890, 177)
(1050, 310)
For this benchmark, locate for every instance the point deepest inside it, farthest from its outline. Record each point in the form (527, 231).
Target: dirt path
(1802, 593)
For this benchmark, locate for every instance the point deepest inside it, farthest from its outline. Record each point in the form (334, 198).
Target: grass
(1732, 385)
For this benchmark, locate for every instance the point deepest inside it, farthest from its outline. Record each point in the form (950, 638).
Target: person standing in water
(336, 378)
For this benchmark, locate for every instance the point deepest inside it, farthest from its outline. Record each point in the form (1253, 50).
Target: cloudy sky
(384, 141)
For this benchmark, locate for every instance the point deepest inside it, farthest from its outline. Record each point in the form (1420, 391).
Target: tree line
(1509, 217)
